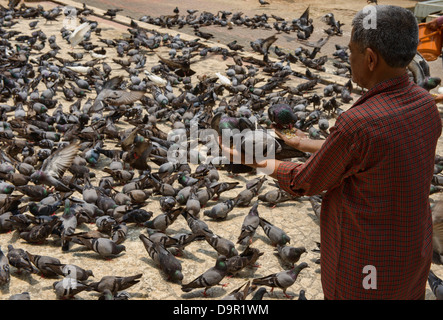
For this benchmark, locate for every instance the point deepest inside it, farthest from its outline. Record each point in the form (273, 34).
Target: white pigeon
(224, 80)
(79, 69)
(96, 55)
(77, 35)
(156, 79)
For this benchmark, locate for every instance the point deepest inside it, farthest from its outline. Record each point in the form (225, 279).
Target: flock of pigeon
(63, 117)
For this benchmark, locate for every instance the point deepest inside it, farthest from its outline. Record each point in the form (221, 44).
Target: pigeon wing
(58, 162)
(118, 97)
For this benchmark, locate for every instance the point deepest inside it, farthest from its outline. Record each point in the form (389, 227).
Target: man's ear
(371, 59)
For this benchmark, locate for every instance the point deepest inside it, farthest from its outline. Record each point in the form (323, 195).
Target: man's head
(384, 41)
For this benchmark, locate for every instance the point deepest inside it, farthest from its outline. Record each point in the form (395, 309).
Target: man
(376, 166)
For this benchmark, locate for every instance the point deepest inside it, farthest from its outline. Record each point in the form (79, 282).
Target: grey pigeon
(4, 269)
(258, 295)
(244, 198)
(68, 225)
(103, 246)
(221, 210)
(282, 115)
(436, 285)
(74, 271)
(197, 226)
(20, 296)
(108, 295)
(275, 196)
(41, 262)
(289, 254)
(169, 264)
(282, 279)
(68, 287)
(39, 233)
(249, 225)
(222, 245)
(54, 167)
(162, 221)
(247, 258)
(193, 205)
(115, 283)
(163, 258)
(19, 259)
(274, 233)
(240, 293)
(209, 278)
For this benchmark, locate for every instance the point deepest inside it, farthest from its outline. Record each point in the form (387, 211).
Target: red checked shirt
(376, 166)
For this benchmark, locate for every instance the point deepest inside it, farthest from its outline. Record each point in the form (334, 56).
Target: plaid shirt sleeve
(326, 168)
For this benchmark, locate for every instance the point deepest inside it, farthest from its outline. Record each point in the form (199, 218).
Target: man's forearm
(310, 145)
(271, 165)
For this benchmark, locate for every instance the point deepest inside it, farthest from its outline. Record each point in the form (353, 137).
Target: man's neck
(385, 74)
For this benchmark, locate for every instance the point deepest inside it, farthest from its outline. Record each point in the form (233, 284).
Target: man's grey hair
(394, 37)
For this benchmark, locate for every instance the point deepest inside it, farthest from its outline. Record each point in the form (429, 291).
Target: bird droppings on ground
(87, 188)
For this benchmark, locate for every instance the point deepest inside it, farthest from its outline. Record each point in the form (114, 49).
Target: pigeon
(108, 295)
(276, 235)
(68, 287)
(275, 196)
(437, 225)
(302, 295)
(115, 283)
(436, 285)
(71, 270)
(163, 220)
(68, 224)
(42, 264)
(54, 167)
(169, 264)
(240, 293)
(282, 279)
(289, 254)
(79, 33)
(193, 205)
(221, 210)
(20, 260)
(258, 295)
(20, 296)
(244, 198)
(209, 278)
(222, 245)
(39, 233)
(103, 246)
(4, 269)
(247, 258)
(249, 225)
(282, 115)
(429, 83)
(197, 226)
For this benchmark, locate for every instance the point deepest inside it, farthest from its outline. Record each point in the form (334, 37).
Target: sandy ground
(295, 217)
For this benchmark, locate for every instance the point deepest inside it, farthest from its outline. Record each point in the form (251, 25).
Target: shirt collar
(385, 85)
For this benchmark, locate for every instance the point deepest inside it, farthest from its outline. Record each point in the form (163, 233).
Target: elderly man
(376, 168)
